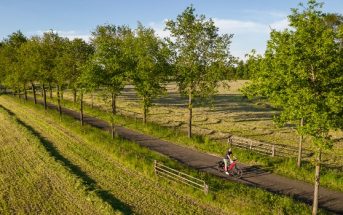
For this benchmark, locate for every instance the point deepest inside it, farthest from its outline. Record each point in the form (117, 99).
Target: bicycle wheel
(220, 166)
(237, 172)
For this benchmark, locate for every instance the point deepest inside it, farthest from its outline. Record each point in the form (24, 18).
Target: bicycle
(233, 169)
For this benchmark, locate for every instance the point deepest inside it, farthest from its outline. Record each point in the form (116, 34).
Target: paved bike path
(328, 199)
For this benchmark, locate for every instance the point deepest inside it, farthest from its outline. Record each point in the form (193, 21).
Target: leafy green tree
(301, 74)
(74, 54)
(30, 62)
(151, 66)
(88, 81)
(201, 56)
(240, 71)
(10, 61)
(244, 70)
(61, 69)
(2, 66)
(51, 47)
(109, 55)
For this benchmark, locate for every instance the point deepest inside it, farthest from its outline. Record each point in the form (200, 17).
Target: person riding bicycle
(228, 158)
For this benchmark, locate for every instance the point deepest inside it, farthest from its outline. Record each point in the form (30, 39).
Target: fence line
(177, 176)
(267, 148)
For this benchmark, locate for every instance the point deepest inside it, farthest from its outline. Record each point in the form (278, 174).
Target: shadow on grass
(90, 183)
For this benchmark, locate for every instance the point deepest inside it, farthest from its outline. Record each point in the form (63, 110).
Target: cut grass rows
(103, 172)
(33, 183)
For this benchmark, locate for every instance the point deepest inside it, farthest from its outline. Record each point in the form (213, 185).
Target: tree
(301, 74)
(244, 70)
(74, 54)
(10, 61)
(61, 69)
(109, 55)
(151, 66)
(88, 81)
(30, 62)
(51, 47)
(200, 54)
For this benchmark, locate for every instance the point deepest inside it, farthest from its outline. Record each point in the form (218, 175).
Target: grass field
(32, 182)
(120, 172)
(121, 188)
(231, 113)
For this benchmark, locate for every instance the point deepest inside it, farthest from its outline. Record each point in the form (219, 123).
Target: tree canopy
(301, 73)
(200, 55)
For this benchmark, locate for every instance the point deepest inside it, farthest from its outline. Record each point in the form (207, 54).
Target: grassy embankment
(109, 163)
(330, 177)
(32, 182)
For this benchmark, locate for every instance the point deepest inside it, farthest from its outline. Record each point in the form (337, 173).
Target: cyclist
(228, 158)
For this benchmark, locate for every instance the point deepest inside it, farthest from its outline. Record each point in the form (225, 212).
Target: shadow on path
(90, 183)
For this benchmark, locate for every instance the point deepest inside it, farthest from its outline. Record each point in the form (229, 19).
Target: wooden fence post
(273, 150)
(155, 165)
(250, 145)
(205, 188)
(229, 141)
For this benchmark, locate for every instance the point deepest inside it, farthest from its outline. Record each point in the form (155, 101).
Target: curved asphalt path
(328, 199)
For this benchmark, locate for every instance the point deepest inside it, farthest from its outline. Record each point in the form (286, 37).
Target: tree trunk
(34, 93)
(145, 113)
(44, 97)
(145, 110)
(50, 91)
(74, 95)
(92, 100)
(316, 184)
(19, 93)
(25, 92)
(59, 100)
(190, 115)
(300, 144)
(113, 114)
(81, 108)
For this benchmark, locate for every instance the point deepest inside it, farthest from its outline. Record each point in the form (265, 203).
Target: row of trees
(195, 56)
(301, 72)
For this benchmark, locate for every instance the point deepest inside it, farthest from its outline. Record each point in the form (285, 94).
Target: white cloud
(280, 25)
(230, 26)
(261, 13)
(159, 29)
(248, 35)
(238, 26)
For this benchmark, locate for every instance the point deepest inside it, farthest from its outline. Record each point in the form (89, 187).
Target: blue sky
(249, 20)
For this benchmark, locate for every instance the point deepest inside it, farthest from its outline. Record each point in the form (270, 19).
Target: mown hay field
(230, 113)
(32, 182)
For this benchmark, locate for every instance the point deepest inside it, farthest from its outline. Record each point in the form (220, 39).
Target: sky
(249, 20)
